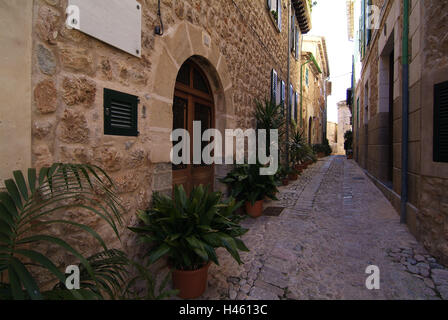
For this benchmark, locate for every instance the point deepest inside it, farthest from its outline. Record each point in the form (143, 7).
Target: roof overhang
(303, 14)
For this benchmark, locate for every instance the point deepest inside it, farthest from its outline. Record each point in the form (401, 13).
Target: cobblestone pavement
(335, 224)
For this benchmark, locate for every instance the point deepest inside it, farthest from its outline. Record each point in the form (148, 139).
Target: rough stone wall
(433, 215)
(70, 71)
(428, 45)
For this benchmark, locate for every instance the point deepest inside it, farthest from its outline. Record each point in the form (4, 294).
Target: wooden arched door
(193, 101)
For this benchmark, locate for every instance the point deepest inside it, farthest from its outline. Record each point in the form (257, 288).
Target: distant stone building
(315, 88)
(332, 136)
(344, 124)
(379, 101)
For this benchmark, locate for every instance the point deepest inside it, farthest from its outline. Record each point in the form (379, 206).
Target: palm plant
(27, 208)
(152, 292)
(189, 229)
(246, 184)
(297, 145)
(269, 116)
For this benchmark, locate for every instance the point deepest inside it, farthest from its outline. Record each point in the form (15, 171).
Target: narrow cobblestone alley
(335, 224)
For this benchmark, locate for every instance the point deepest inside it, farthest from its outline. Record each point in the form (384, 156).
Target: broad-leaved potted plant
(188, 230)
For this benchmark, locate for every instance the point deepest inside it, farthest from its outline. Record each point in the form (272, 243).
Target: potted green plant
(32, 208)
(188, 230)
(293, 174)
(282, 175)
(348, 144)
(246, 184)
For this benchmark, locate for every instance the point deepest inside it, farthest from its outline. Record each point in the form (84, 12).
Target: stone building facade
(55, 80)
(377, 109)
(344, 124)
(315, 87)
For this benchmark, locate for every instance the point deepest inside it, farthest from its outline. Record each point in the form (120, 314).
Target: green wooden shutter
(368, 29)
(297, 43)
(296, 98)
(120, 113)
(291, 93)
(441, 122)
(279, 14)
(363, 27)
(282, 96)
(293, 23)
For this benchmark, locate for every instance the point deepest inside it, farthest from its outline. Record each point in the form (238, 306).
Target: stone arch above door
(179, 43)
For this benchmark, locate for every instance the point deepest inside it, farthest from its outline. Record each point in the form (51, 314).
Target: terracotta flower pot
(191, 284)
(321, 155)
(255, 210)
(299, 168)
(285, 181)
(293, 176)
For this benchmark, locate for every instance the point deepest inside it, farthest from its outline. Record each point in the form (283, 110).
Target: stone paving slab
(335, 224)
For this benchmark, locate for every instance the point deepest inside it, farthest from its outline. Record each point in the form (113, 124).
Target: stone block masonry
(234, 42)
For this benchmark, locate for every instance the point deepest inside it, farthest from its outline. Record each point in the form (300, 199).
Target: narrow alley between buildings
(335, 224)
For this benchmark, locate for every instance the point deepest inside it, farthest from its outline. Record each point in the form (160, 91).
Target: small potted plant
(188, 230)
(246, 184)
(283, 175)
(348, 144)
(293, 174)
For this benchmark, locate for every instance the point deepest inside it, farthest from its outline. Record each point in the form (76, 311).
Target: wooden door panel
(192, 103)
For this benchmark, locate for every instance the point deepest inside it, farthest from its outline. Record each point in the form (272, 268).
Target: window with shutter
(269, 4)
(363, 27)
(307, 77)
(274, 86)
(290, 104)
(293, 37)
(296, 98)
(120, 113)
(279, 14)
(297, 43)
(441, 122)
(283, 96)
(368, 29)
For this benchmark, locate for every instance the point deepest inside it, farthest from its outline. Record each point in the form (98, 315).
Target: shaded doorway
(193, 101)
(310, 130)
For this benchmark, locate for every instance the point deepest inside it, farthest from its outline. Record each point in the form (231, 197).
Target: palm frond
(29, 205)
